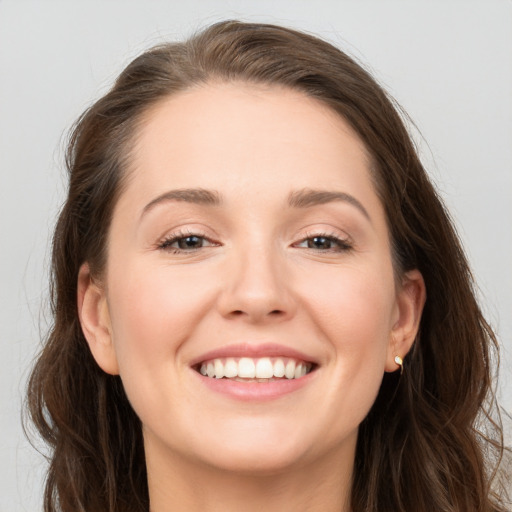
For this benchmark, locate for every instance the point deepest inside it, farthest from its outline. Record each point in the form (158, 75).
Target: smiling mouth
(262, 369)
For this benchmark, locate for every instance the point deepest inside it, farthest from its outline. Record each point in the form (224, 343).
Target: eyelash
(342, 245)
(166, 243)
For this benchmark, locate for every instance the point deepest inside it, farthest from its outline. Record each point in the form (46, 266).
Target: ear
(410, 301)
(95, 321)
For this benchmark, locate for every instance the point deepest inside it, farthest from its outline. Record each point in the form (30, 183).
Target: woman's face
(249, 242)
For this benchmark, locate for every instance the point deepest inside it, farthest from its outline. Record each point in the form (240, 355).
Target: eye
(185, 242)
(326, 243)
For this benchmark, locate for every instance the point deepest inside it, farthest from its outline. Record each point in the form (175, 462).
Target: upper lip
(254, 350)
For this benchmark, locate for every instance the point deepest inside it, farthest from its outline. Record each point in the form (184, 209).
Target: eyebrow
(304, 198)
(187, 195)
(307, 198)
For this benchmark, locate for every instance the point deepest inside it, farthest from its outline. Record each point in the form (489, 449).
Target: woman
(260, 302)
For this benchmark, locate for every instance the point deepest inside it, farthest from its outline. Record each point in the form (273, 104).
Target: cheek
(354, 306)
(153, 311)
(353, 311)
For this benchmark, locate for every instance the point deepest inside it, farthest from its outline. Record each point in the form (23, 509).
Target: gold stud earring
(399, 362)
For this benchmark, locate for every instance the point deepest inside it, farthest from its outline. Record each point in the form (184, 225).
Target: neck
(182, 485)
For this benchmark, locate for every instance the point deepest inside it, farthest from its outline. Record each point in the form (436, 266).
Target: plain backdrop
(448, 63)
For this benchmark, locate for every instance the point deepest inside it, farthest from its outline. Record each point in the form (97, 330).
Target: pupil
(190, 242)
(320, 242)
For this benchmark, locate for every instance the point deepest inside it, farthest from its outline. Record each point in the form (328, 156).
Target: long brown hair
(428, 444)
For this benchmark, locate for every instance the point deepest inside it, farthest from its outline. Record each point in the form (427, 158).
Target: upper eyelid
(334, 234)
(183, 232)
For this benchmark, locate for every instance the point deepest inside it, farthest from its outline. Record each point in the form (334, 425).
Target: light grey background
(449, 63)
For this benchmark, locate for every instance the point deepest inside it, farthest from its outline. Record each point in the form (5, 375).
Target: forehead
(240, 137)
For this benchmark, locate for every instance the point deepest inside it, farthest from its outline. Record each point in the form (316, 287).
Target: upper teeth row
(261, 368)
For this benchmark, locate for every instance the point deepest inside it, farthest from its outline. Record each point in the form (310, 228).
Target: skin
(257, 276)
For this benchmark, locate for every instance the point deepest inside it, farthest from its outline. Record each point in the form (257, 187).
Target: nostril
(273, 313)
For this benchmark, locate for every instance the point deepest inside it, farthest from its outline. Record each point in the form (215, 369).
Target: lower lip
(256, 391)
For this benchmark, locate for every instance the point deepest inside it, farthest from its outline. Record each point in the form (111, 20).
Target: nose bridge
(256, 286)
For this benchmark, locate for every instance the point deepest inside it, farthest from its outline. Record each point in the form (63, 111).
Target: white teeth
(219, 369)
(290, 369)
(300, 371)
(230, 368)
(279, 368)
(264, 369)
(258, 369)
(246, 368)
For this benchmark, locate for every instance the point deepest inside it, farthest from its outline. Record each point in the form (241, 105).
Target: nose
(257, 289)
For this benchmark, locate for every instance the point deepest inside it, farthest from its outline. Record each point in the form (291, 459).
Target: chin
(257, 461)
(258, 448)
